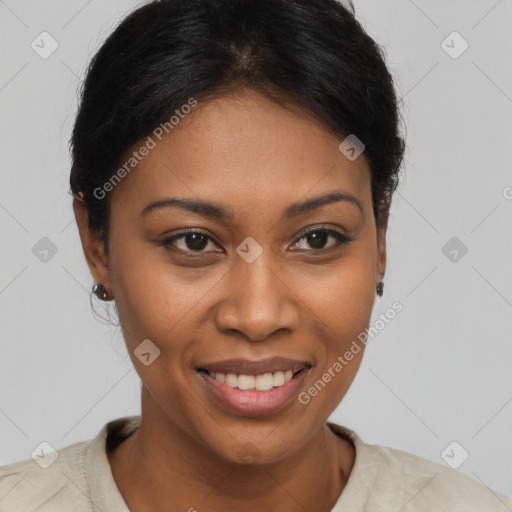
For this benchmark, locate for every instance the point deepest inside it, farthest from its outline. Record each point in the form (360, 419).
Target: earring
(100, 291)
(380, 288)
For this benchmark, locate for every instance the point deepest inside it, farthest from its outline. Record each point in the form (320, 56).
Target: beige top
(382, 479)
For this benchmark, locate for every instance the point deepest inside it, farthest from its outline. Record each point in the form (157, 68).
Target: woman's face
(251, 285)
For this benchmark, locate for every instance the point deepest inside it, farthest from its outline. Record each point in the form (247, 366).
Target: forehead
(244, 151)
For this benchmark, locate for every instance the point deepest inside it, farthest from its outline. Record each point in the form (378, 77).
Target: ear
(92, 245)
(381, 252)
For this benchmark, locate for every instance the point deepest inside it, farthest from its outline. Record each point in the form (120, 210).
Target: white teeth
(264, 382)
(231, 380)
(246, 381)
(278, 379)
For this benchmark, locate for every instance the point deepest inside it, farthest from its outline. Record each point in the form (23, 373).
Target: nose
(258, 301)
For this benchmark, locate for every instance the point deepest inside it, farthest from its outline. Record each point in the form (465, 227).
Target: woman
(233, 168)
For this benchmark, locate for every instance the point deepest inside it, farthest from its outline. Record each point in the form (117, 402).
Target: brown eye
(189, 241)
(317, 240)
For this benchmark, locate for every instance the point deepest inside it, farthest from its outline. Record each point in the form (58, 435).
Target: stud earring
(380, 288)
(100, 291)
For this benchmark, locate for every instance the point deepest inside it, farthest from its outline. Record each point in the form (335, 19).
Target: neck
(161, 467)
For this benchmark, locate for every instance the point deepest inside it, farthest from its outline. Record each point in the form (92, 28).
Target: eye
(189, 241)
(318, 238)
(193, 241)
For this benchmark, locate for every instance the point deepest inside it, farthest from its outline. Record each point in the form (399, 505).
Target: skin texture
(255, 158)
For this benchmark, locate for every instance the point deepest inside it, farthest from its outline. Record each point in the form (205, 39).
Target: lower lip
(254, 403)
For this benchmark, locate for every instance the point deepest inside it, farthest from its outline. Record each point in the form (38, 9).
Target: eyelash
(341, 240)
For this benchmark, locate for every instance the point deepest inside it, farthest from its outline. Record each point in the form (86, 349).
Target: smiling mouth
(254, 387)
(263, 382)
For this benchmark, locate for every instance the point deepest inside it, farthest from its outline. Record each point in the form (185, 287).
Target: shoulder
(78, 474)
(49, 483)
(429, 484)
(396, 479)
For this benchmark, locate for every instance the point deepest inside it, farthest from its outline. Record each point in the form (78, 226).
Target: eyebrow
(208, 209)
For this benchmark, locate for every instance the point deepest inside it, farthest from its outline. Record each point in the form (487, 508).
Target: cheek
(165, 304)
(341, 299)
(342, 294)
(152, 306)
(153, 296)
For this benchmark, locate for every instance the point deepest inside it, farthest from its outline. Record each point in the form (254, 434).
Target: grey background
(439, 372)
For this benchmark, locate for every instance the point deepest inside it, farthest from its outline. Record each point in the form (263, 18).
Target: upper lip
(250, 367)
